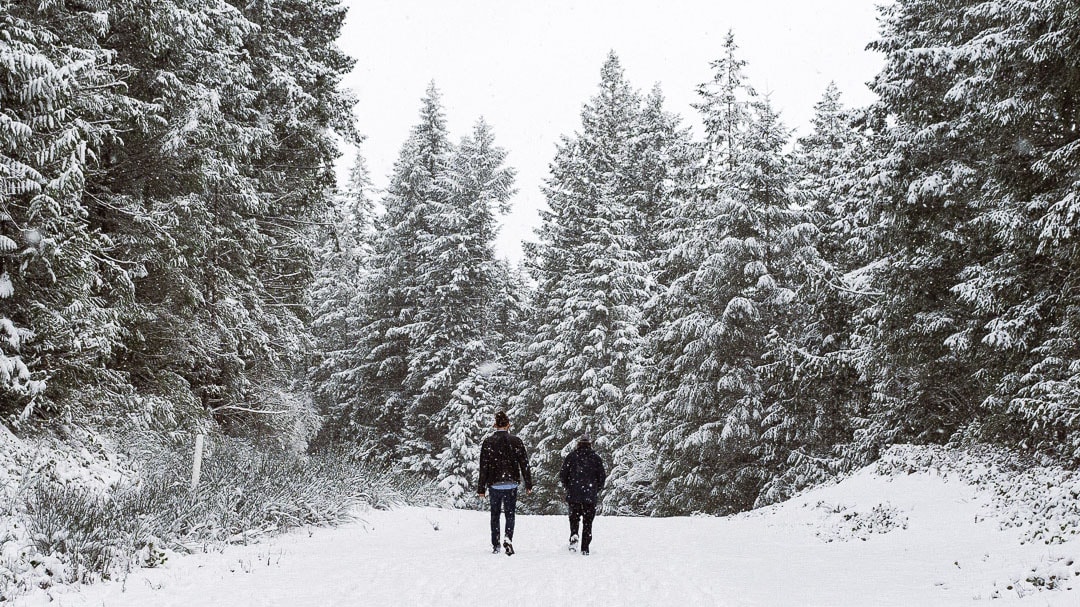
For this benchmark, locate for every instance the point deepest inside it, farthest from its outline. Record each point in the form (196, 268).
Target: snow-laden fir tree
(675, 348)
(815, 387)
(297, 66)
(467, 416)
(212, 195)
(454, 330)
(741, 241)
(173, 160)
(476, 398)
(429, 310)
(337, 301)
(664, 157)
(57, 269)
(592, 283)
(382, 417)
(976, 328)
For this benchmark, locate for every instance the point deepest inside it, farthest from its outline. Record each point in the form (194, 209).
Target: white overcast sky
(527, 67)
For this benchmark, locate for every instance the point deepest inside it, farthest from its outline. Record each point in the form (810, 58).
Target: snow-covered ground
(917, 539)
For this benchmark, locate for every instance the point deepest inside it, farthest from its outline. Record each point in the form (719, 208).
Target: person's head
(584, 440)
(502, 421)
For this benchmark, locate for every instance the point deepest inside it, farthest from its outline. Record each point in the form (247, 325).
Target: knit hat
(585, 439)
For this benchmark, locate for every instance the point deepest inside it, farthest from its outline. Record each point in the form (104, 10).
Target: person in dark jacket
(503, 464)
(583, 477)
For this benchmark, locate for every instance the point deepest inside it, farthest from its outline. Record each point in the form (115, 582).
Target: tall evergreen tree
(592, 283)
(741, 241)
(194, 142)
(62, 285)
(816, 390)
(214, 195)
(383, 416)
(453, 332)
(663, 156)
(692, 233)
(975, 326)
(337, 301)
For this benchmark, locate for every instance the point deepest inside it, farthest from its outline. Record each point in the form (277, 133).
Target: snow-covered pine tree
(925, 390)
(164, 186)
(381, 416)
(212, 192)
(664, 157)
(741, 240)
(467, 417)
(58, 277)
(337, 301)
(175, 158)
(816, 390)
(692, 234)
(592, 284)
(296, 69)
(977, 324)
(453, 333)
(819, 392)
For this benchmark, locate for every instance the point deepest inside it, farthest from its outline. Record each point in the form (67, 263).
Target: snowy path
(773, 557)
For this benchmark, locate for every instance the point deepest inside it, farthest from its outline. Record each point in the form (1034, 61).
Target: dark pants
(502, 500)
(580, 511)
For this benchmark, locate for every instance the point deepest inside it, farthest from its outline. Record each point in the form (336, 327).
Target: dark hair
(501, 419)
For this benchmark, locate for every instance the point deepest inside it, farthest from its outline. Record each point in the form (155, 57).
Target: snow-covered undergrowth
(842, 522)
(69, 458)
(78, 511)
(1041, 501)
(923, 526)
(910, 531)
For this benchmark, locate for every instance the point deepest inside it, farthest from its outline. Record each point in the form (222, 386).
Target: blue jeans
(502, 500)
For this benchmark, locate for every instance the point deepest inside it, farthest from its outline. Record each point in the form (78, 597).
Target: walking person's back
(503, 464)
(583, 477)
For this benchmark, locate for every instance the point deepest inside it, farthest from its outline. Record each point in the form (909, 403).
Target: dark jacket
(502, 459)
(583, 475)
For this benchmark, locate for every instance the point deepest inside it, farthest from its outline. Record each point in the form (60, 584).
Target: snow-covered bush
(245, 491)
(57, 531)
(83, 528)
(844, 523)
(1040, 499)
(1050, 573)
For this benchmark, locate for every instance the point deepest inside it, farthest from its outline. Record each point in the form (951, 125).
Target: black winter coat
(583, 475)
(502, 459)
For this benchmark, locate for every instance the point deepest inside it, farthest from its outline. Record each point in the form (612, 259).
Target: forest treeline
(166, 167)
(734, 315)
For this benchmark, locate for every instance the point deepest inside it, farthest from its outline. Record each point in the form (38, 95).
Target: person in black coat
(583, 477)
(503, 464)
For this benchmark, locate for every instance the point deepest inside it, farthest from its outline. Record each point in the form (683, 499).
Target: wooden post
(196, 466)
